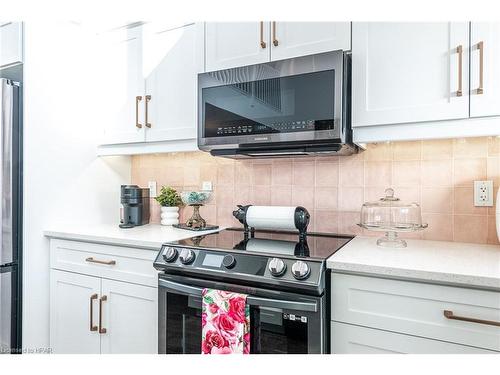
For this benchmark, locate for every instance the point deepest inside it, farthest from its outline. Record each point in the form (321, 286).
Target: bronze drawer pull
(262, 43)
(460, 51)
(137, 123)
(449, 315)
(480, 47)
(275, 41)
(106, 262)
(146, 120)
(101, 300)
(92, 326)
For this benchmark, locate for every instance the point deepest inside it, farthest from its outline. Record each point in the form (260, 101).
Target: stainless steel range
(283, 274)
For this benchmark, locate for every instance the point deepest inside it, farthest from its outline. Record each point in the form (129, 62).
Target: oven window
(273, 331)
(183, 334)
(303, 102)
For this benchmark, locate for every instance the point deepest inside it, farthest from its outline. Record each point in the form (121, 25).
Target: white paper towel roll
(271, 217)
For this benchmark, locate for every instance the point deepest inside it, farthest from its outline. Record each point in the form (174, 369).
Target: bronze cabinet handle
(92, 326)
(101, 300)
(148, 98)
(262, 43)
(137, 123)
(460, 51)
(449, 315)
(480, 47)
(106, 262)
(275, 41)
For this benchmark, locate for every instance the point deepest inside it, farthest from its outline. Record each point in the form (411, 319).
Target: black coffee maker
(135, 206)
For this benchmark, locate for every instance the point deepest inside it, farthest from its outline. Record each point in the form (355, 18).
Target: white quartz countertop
(145, 236)
(432, 261)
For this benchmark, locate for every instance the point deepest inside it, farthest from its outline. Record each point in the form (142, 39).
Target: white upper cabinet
(233, 44)
(409, 72)
(123, 103)
(292, 39)
(172, 61)
(11, 43)
(151, 76)
(485, 69)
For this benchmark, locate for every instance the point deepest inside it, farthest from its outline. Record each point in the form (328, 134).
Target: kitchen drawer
(128, 264)
(417, 309)
(351, 339)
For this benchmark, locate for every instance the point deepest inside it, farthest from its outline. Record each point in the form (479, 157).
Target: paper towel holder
(301, 220)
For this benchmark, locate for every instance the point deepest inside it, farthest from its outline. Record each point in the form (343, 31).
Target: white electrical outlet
(483, 193)
(152, 189)
(206, 185)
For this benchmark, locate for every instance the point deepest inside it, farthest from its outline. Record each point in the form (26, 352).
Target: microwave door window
(303, 102)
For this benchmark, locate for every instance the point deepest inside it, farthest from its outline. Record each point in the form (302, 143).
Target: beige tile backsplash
(437, 174)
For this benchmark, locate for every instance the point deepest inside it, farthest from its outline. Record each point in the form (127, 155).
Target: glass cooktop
(316, 245)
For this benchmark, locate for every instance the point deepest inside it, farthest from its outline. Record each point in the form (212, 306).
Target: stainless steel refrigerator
(11, 218)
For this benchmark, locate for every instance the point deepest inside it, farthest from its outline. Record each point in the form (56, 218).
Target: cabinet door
(292, 39)
(120, 85)
(232, 44)
(485, 92)
(172, 61)
(11, 43)
(130, 317)
(72, 298)
(352, 339)
(409, 72)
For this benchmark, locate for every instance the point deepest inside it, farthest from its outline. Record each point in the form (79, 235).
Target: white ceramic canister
(169, 215)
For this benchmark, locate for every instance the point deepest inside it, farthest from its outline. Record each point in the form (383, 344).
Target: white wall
(64, 181)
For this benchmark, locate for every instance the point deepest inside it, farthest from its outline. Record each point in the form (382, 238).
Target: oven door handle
(251, 300)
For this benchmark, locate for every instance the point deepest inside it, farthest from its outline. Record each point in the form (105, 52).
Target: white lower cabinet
(405, 313)
(71, 298)
(351, 339)
(130, 318)
(94, 314)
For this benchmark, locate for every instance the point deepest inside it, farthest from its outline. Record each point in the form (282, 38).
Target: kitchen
(310, 206)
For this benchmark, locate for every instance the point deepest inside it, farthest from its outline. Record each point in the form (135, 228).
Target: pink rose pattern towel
(225, 323)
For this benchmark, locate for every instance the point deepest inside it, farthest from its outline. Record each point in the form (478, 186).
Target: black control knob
(170, 254)
(229, 261)
(277, 267)
(300, 270)
(186, 256)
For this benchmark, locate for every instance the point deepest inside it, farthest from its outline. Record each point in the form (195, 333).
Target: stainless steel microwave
(292, 107)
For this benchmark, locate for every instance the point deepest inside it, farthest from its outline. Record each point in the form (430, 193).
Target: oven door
(280, 323)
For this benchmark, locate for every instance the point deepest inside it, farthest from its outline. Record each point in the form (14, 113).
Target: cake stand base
(391, 239)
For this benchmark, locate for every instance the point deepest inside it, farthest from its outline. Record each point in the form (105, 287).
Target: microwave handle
(251, 300)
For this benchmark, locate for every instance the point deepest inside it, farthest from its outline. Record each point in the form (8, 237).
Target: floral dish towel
(225, 323)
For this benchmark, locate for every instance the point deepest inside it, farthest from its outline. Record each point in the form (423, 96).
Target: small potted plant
(169, 201)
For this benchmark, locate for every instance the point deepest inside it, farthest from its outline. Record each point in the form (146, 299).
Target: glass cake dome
(389, 214)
